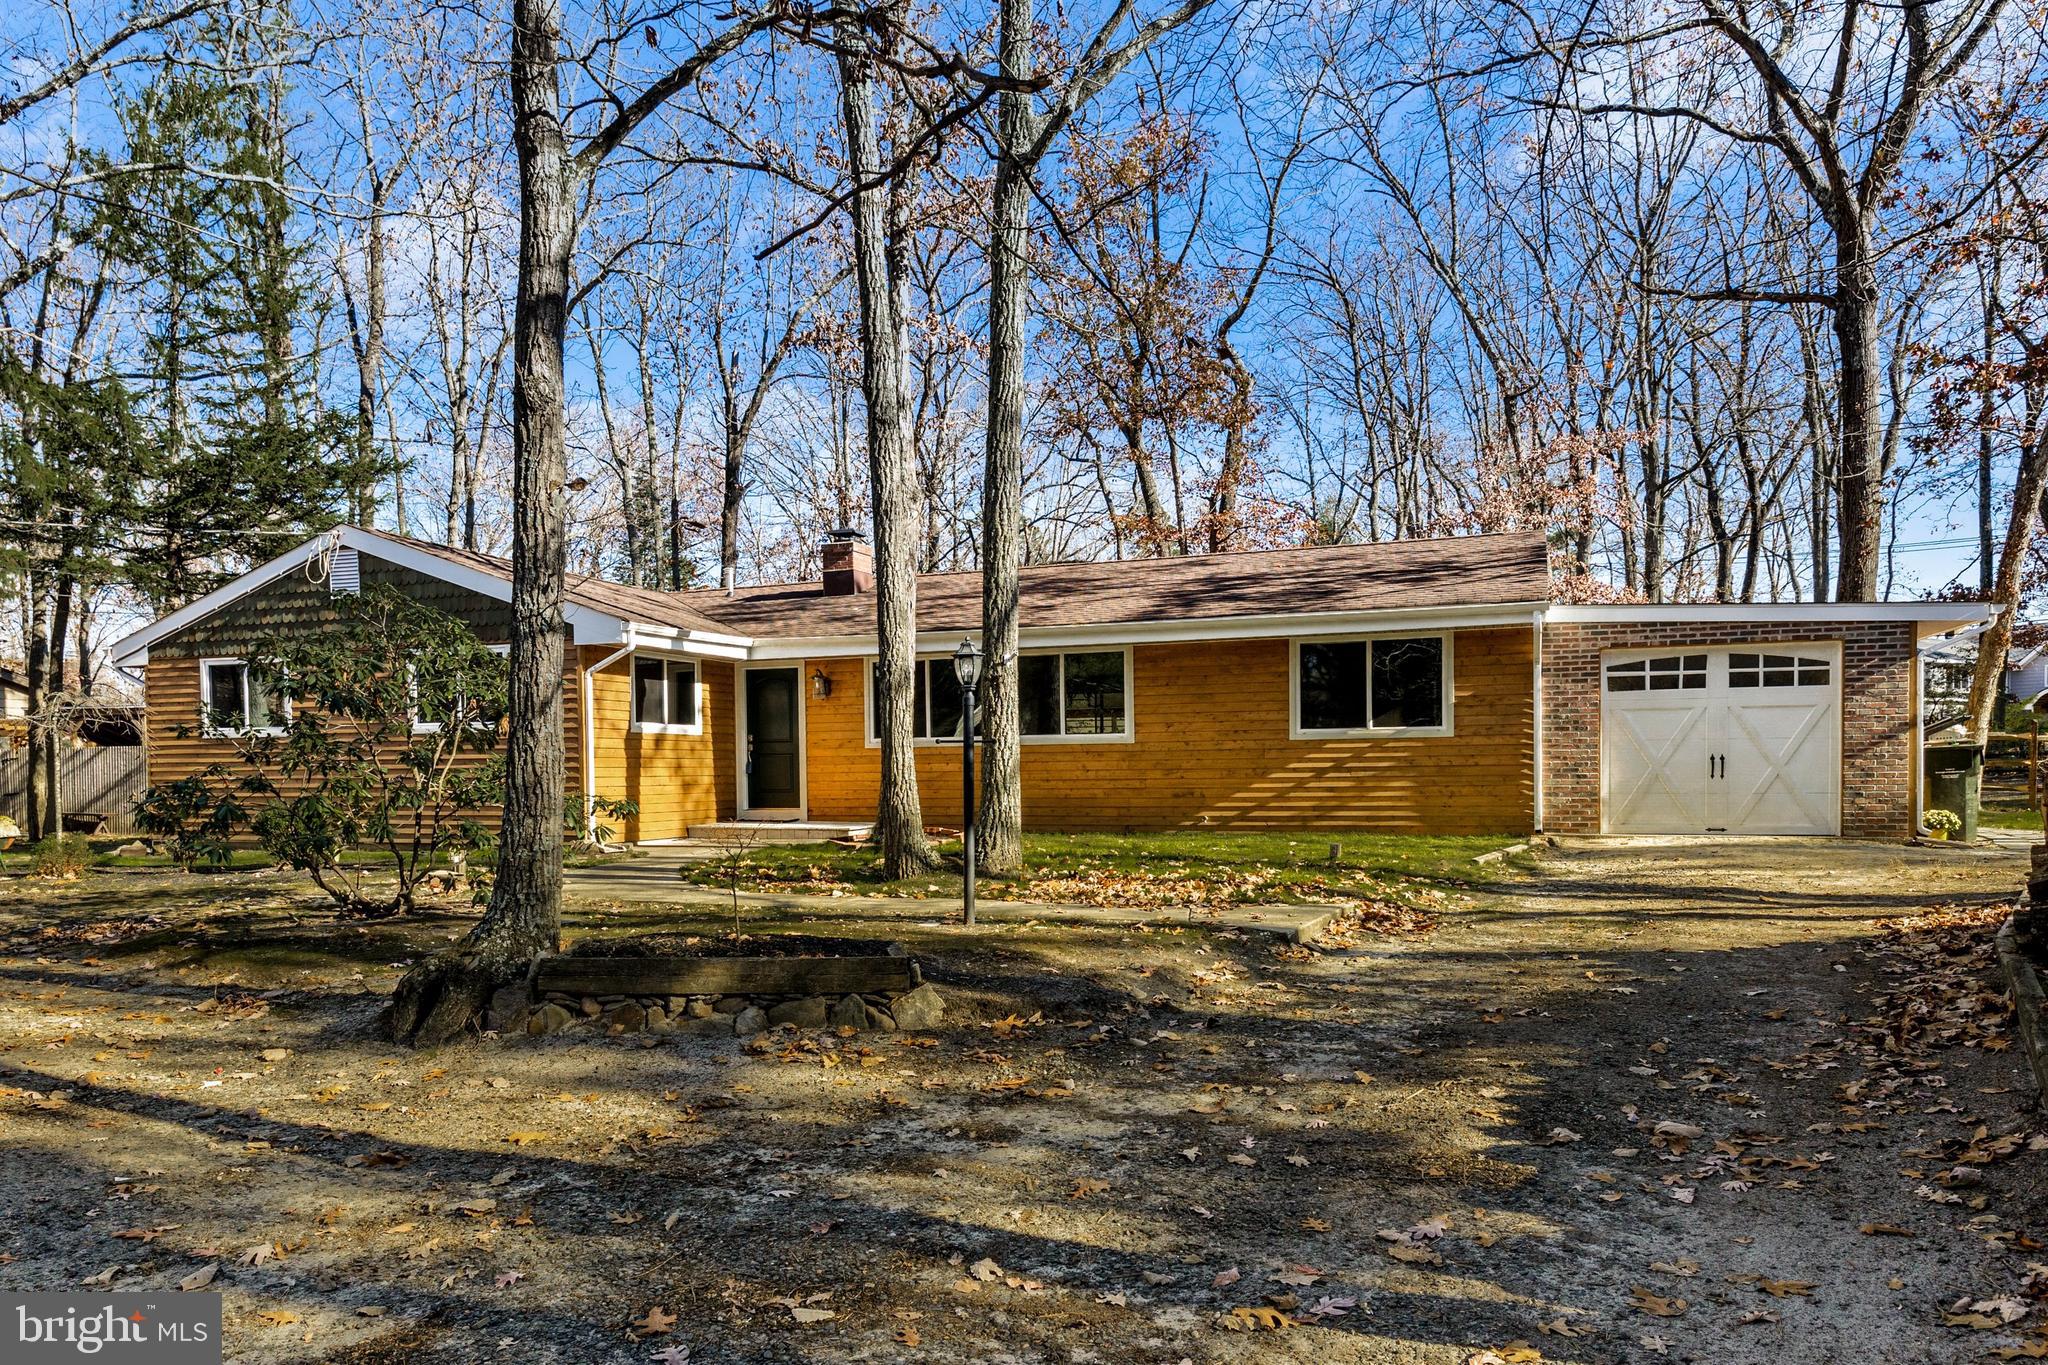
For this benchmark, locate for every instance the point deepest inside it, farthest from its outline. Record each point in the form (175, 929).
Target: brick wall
(1877, 712)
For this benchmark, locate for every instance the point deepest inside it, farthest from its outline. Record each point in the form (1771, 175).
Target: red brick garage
(1659, 719)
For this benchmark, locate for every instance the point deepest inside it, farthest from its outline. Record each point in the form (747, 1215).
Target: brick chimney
(849, 562)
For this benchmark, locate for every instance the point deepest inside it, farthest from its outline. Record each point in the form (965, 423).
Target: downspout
(1536, 711)
(1920, 651)
(590, 736)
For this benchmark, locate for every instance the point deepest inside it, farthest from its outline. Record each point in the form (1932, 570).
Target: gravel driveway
(1677, 1102)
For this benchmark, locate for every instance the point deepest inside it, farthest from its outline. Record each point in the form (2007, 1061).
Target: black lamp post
(967, 668)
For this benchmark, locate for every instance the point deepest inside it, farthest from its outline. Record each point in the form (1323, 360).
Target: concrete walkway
(657, 880)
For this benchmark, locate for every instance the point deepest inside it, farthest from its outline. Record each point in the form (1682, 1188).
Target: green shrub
(61, 856)
(190, 819)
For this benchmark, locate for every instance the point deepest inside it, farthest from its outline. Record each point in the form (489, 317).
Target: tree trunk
(732, 494)
(1236, 449)
(899, 817)
(41, 801)
(50, 746)
(437, 999)
(370, 357)
(1860, 513)
(2031, 479)
(1001, 846)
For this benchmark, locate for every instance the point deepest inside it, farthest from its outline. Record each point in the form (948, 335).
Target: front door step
(780, 831)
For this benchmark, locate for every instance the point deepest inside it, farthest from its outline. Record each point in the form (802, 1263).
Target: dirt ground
(1688, 1103)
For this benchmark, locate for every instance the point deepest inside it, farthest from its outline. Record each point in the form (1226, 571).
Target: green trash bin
(1955, 774)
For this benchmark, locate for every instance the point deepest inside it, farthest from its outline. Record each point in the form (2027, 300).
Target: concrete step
(728, 832)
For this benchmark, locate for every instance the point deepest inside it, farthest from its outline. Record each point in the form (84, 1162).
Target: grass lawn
(1173, 869)
(2008, 814)
(16, 859)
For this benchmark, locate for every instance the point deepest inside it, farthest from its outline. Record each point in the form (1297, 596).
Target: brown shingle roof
(615, 599)
(1452, 571)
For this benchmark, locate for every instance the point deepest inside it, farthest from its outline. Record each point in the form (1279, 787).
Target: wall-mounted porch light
(821, 686)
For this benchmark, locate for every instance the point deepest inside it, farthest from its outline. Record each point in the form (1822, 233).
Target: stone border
(2015, 937)
(2029, 1002)
(729, 997)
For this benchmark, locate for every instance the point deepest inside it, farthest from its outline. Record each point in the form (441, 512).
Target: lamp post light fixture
(967, 668)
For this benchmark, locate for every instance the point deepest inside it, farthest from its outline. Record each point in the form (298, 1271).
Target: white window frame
(207, 709)
(1130, 730)
(668, 664)
(1446, 730)
(412, 699)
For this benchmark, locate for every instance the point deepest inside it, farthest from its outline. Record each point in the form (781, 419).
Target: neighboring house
(13, 693)
(1426, 685)
(2026, 675)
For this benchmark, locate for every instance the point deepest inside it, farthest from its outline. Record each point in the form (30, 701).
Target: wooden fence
(105, 780)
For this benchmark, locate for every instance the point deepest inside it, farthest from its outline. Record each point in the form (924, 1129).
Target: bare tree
(1025, 134)
(439, 997)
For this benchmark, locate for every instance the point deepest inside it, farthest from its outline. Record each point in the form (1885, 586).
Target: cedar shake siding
(1879, 703)
(1210, 749)
(294, 604)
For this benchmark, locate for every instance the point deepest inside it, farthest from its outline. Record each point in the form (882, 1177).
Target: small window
(232, 706)
(1391, 684)
(664, 694)
(1664, 673)
(433, 703)
(1778, 670)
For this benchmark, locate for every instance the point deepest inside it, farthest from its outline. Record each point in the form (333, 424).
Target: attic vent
(345, 573)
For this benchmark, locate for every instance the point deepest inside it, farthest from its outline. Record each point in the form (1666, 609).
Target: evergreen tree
(244, 446)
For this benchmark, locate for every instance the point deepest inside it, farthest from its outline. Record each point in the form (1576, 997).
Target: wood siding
(1210, 748)
(679, 780)
(178, 746)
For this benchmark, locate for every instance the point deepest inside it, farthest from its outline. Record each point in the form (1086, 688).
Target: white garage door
(1734, 741)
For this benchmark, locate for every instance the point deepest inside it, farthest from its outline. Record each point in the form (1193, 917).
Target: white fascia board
(704, 644)
(1681, 613)
(132, 651)
(1291, 626)
(591, 626)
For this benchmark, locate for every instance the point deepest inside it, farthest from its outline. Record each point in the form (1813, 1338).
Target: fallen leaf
(1779, 1289)
(1643, 1300)
(201, 1277)
(1256, 1320)
(656, 1323)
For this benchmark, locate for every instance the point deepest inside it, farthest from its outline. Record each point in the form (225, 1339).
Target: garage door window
(1665, 673)
(1776, 670)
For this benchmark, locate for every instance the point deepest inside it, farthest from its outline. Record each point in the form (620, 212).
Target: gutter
(1536, 710)
(590, 737)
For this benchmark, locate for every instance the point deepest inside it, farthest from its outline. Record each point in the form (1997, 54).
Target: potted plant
(9, 832)
(1941, 823)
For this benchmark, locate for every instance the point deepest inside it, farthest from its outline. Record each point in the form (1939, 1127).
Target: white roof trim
(591, 626)
(1291, 626)
(1678, 613)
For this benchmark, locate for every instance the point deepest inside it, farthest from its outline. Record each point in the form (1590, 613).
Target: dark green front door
(774, 779)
